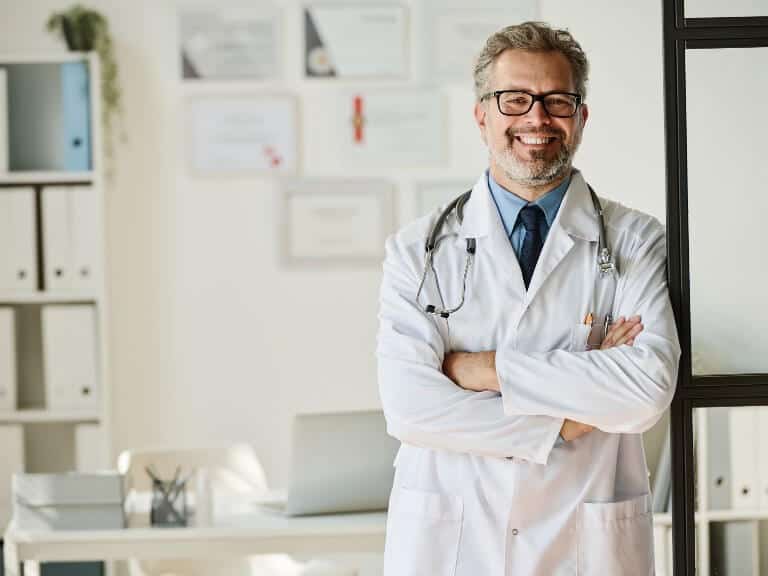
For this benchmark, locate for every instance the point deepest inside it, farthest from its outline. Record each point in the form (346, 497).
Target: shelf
(742, 514)
(46, 178)
(46, 298)
(41, 416)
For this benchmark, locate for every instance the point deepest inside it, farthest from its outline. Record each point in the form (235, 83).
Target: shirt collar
(509, 204)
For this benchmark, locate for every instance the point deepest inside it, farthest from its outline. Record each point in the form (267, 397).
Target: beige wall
(211, 339)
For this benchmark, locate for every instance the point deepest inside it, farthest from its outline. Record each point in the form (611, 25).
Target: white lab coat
(483, 484)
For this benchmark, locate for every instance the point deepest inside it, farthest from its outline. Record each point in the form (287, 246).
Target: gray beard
(537, 172)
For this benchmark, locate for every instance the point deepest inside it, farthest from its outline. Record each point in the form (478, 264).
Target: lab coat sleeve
(422, 406)
(623, 389)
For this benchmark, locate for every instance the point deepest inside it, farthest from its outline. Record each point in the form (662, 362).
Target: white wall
(212, 340)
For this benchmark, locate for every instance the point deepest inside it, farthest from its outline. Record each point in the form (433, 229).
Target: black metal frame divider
(681, 33)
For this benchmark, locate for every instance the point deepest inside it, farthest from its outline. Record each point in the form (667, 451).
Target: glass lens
(731, 456)
(720, 9)
(560, 104)
(727, 206)
(515, 102)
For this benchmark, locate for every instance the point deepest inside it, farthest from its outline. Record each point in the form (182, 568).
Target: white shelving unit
(705, 517)
(67, 437)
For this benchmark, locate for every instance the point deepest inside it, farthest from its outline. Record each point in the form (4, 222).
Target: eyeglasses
(519, 102)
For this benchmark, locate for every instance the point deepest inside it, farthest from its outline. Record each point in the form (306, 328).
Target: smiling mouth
(535, 140)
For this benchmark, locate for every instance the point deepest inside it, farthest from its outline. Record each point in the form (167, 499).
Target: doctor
(521, 413)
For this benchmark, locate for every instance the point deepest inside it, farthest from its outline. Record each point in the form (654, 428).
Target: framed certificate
(454, 32)
(242, 135)
(229, 41)
(341, 221)
(355, 40)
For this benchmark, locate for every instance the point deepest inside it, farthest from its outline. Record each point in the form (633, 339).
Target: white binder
(86, 239)
(743, 428)
(719, 474)
(18, 246)
(3, 121)
(90, 450)
(734, 548)
(57, 238)
(12, 462)
(69, 357)
(762, 456)
(8, 368)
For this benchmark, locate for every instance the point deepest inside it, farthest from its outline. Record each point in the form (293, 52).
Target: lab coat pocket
(579, 337)
(616, 538)
(423, 531)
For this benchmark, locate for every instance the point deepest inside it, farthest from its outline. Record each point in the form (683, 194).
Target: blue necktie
(531, 217)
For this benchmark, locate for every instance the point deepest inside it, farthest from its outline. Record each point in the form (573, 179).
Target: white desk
(257, 533)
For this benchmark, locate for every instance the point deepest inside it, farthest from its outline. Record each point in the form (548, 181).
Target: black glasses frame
(534, 98)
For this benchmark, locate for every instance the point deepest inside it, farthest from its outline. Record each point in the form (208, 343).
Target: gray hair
(533, 37)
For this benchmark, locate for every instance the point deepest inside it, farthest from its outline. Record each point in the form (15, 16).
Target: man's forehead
(525, 69)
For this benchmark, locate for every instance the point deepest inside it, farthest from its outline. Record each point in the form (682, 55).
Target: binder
(75, 116)
(743, 427)
(12, 462)
(3, 121)
(18, 245)
(57, 238)
(8, 368)
(762, 456)
(734, 548)
(69, 357)
(719, 479)
(84, 227)
(89, 448)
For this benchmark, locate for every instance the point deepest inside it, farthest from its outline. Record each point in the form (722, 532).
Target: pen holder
(169, 504)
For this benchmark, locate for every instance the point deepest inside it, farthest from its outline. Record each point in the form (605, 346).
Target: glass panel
(732, 488)
(728, 204)
(721, 9)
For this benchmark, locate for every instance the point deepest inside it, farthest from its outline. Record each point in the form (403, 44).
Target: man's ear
(480, 111)
(584, 111)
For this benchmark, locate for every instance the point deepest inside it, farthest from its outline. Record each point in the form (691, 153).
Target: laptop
(341, 462)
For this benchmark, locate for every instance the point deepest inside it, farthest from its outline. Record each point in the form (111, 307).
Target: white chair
(235, 475)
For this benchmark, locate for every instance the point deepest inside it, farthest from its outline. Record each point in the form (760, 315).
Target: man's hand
(572, 430)
(623, 331)
(475, 371)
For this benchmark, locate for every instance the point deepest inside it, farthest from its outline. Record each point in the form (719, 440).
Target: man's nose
(538, 114)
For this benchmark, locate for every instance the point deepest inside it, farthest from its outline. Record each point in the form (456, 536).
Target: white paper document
(394, 128)
(229, 41)
(454, 32)
(242, 135)
(337, 220)
(355, 40)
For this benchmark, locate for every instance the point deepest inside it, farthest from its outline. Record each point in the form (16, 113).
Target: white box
(8, 369)
(68, 501)
(57, 239)
(743, 427)
(12, 462)
(69, 357)
(18, 245)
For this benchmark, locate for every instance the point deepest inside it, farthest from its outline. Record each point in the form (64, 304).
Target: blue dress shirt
(509, 205)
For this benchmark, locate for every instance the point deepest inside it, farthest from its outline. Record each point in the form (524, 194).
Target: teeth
(532, 140)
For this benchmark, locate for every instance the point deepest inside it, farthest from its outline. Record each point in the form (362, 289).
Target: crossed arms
(493, 403)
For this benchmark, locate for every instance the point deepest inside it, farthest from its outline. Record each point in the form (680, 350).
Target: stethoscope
(605, 263)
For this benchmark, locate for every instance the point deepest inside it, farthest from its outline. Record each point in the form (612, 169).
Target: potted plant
(86, 30)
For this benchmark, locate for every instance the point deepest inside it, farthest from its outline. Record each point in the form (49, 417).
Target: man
(521, 413)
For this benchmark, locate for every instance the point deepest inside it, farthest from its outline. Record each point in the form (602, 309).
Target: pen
(588, 319)
(607, 324)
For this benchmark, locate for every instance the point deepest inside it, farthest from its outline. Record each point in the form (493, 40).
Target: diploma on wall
(242, 135)
(355, 40)
(336, 220)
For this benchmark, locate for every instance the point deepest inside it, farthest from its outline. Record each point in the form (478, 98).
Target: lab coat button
(515, 531)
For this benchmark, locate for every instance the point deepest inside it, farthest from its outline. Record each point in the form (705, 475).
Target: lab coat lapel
(481, 219)
(575, 219)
